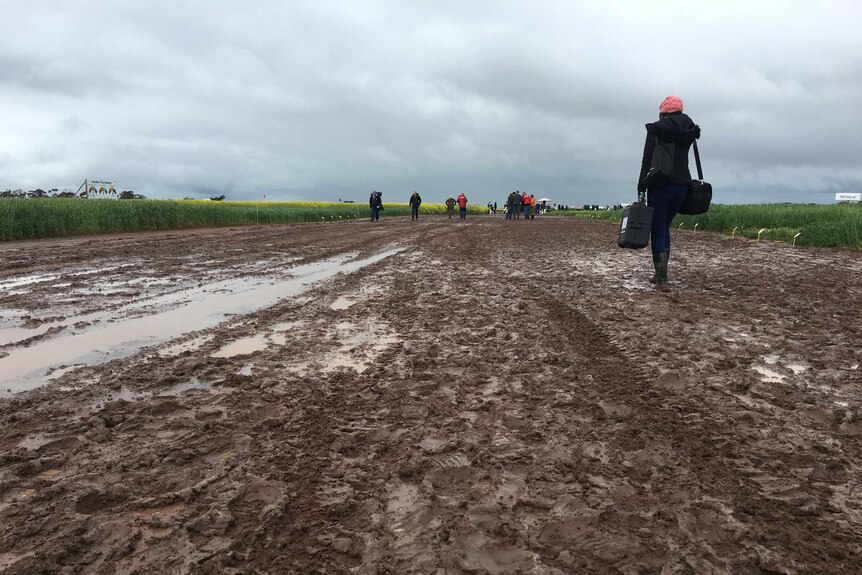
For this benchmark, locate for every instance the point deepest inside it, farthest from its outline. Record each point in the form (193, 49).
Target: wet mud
(465, 398)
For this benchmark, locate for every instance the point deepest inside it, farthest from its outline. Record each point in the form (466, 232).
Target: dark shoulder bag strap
(697, 161)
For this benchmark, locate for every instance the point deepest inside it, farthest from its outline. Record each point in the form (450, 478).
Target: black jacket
(677, 128)
(415, 200)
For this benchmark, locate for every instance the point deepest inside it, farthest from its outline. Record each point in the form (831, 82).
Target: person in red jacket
(462, 206)
(525, 199)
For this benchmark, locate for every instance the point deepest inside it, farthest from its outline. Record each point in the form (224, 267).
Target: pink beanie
(671, 104)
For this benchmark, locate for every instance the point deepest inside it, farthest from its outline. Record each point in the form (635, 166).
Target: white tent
(544, 200)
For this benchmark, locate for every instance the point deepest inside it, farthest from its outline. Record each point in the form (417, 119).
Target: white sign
(848, 197)
(98, 190)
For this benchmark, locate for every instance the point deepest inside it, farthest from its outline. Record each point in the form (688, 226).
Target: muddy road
(434, 397)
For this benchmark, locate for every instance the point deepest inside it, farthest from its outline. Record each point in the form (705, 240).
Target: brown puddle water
(26, 367)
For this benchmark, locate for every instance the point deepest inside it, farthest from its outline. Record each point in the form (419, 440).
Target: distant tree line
(53, 193)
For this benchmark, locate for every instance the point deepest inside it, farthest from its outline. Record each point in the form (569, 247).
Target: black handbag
(661, 170)
(699, 194)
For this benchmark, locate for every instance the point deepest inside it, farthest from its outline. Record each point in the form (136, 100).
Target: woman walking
(672, 126)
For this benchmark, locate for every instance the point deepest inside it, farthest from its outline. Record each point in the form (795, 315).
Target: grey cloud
(312, 100)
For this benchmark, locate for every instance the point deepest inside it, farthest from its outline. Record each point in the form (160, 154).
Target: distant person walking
(375, 202)
(415, 202)
(450, 206)
(518, 206)
(672, 126)
(462, 206)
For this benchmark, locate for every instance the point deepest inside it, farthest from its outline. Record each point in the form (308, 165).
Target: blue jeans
(375, 213)
(463, 213)
(527, 211)
(666, 202)
(414, 212)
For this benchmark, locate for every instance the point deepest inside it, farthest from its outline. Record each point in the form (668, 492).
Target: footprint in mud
(482, 554)
(65, 444)
(595, 450)
(451, 460)
(95, 501)
(453, 480)
(510, 491)
(161, 513)
(256, 493)
(615, 410)
(336, 493)
(408, 516)
(209, 414)
(434, 445)
(165, 407)
(671, 382)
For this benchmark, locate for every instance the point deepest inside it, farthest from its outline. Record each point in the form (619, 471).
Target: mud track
(496, 397)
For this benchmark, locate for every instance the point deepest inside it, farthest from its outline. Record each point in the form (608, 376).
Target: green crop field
(28, 218)
(836, 225)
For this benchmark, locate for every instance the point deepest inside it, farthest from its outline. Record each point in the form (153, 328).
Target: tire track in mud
(630, 429)
(721, 440)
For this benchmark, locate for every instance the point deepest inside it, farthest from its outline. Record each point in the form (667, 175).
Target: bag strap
(697, 161)
(642, 195)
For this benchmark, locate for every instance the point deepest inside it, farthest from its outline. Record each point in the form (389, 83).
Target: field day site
(441, 396)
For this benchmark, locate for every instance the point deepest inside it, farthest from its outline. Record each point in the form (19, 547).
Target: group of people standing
(375, 202)
(517, 203)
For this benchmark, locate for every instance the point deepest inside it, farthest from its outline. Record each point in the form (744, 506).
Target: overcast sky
(327, 100)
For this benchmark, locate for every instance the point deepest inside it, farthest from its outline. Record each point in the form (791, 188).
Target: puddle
(342, 303)
(127, 394)
(769, 376)
(359, 350)
(243, 346)
(286, 326)
(56, 373)
(48, 473)
(39, 278)
(190, 345)
(797, 368)
(27, 281)
(181, 388)
(33, 442)
(25, 368)
(12, 335)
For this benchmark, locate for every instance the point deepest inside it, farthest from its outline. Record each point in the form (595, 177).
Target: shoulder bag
(699, 194)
